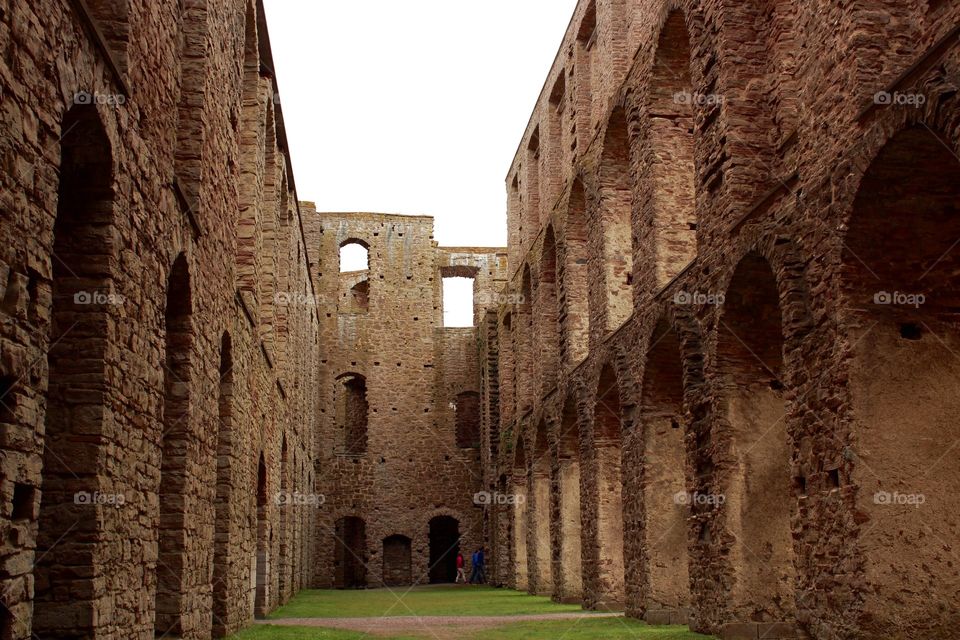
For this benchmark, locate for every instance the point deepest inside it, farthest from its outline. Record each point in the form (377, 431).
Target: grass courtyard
(444, 613)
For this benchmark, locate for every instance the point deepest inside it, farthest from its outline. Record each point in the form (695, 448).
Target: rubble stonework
(416, 376)
(159, 396)
(727, 370)
(711, 380)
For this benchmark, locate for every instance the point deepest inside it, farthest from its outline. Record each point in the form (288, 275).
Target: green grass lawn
(596, 629)
(587, 629)
(420, 601)
(452, 601)
(274, 632)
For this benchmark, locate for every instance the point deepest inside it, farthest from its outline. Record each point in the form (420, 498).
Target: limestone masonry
(713, 379)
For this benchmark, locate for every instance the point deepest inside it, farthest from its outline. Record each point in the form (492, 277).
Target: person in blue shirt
(475, 561)
(482, 563)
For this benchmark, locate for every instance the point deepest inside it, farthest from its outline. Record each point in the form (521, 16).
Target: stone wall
(784, 172)
(159, 390)
(414, 370)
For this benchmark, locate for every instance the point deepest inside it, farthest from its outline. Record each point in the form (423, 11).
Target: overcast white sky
(412, 106)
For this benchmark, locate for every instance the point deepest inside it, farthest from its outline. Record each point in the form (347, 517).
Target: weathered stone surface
(721, 215)
(139, 390)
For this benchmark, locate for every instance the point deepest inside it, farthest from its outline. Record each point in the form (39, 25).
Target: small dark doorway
(396, 561)
(444, 547)
(350, 559)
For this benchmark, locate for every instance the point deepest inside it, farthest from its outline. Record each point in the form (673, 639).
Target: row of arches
(734, 456)
(143, 446)
(639, 210)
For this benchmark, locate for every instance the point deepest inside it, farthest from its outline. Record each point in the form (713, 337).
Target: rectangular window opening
(457, 302)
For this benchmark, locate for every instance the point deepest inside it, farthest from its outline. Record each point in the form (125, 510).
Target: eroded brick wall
(143, 379)
(770, 149)
(414, 371)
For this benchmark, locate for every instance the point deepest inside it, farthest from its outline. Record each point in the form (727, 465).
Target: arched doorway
(901, 291)
(444, 547)
(760, 498)
(350, 553)
(518, 483)
(607, 434)
(540, 493)
(261, 601)
(665, 497)
(570, 529)
(396, 561)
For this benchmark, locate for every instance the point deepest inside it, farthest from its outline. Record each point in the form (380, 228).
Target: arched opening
(354, 256)
(444, 547)
(261, 602)
(77, 387)
(665, 497)
(503, 532)
(574, 289)
(350, 553)
(175, 444)
(396, 561)
(284, 508)
(607, 434)
(518, 483)
(616, 207)
(760, 500)
(508, 364)
(532, 210)
(222, 511)
(671, 226)
(525, 376)
(570, 554)
(902, 293)
(468, 420)
(547, 319)
(352, 411)
(541, 506)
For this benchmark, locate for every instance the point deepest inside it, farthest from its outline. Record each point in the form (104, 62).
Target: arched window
(616, 207)
(354, 256)
(574, 299)
(670, 221)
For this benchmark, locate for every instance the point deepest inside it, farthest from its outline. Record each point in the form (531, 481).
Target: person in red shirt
(461, 576)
